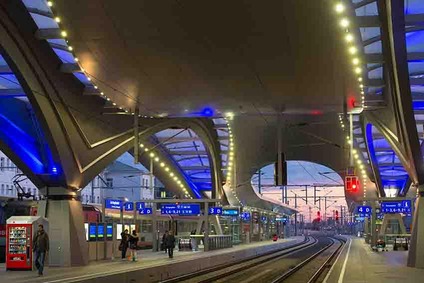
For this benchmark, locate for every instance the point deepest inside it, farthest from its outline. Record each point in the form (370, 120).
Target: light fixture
(57, 19)
(349, 37)
(359, 79)
(162, 164)
(157, 159)
(166, 169)
(339, 8)
(70, 48)
(353, 50)
(358, 70)
(49, 3)
(63, 33)
(355, 61)
(152, 154)
(171, 174)
(146, 149)
(344, 23)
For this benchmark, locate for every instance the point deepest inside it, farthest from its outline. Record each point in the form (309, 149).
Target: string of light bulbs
(64, 34)
(345, 23)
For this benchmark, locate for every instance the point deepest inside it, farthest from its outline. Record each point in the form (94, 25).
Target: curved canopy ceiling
(189, 152)
(178, 58)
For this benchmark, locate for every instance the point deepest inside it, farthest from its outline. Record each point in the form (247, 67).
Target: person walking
(40, 244)
(133, 245)
(170, 244)
(123, 246)
(164, 241)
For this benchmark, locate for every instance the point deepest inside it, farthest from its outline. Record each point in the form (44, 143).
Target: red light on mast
(351, 184)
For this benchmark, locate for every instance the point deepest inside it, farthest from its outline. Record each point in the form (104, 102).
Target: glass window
(2, 163)
(7, 189)
(109, 183)
(2, 189)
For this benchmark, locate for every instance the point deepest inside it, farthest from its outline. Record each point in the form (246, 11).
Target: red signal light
(351, 184)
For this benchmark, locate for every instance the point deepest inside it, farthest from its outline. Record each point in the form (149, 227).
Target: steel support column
(396, 76)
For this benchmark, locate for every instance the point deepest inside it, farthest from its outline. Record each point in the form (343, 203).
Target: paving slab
(149, 267)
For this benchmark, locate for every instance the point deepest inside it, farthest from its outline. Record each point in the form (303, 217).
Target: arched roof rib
(186, 149)
(389, 166)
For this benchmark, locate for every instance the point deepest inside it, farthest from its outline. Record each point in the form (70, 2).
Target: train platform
(358, 263)
(151, 267)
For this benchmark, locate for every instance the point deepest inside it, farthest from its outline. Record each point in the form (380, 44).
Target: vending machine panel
(19, 246)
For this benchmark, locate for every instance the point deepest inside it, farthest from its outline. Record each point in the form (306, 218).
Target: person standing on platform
(170, 243)
(133, 245)
(164, 241)
(40, 246)
(123, 246)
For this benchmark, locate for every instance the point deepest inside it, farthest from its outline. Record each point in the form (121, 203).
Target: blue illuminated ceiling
(391, 170)
(190, 155)
(19, 128)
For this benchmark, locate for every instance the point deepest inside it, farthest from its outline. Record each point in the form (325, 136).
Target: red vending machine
(19, 233)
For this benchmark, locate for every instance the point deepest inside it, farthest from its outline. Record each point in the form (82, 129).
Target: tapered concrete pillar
(68, 246)
(416, 251)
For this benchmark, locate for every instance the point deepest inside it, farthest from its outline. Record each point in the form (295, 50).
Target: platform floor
(147, 259)
(364, 265)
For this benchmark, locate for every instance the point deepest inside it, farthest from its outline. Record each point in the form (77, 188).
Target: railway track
(315, 253)
(322, 266)
(218, 272)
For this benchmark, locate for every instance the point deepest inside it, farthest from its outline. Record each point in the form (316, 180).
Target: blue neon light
(385, 180)
(207, 111)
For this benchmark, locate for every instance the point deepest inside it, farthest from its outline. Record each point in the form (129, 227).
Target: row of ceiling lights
(345, 24)
(349, 38)
(230, 156)
(152, 155)
(64, 34)
(360, 165)
(168, 171)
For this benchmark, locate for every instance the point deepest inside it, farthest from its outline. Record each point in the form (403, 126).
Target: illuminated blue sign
(230, 212)
(100, 231)
(140, 205)
(129, 206)
(181, 209)
(109, 231)
(145, 211)
(92, 232)
(403, 206)
(364, 211)
(217, 210)
(113, 204)
(245, 216)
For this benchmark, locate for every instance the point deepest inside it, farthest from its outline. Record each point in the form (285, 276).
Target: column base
(416, 251)
(68, 246)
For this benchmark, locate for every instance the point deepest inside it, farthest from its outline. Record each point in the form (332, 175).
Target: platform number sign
(215, 210)
(145, 211)
(364, 211)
